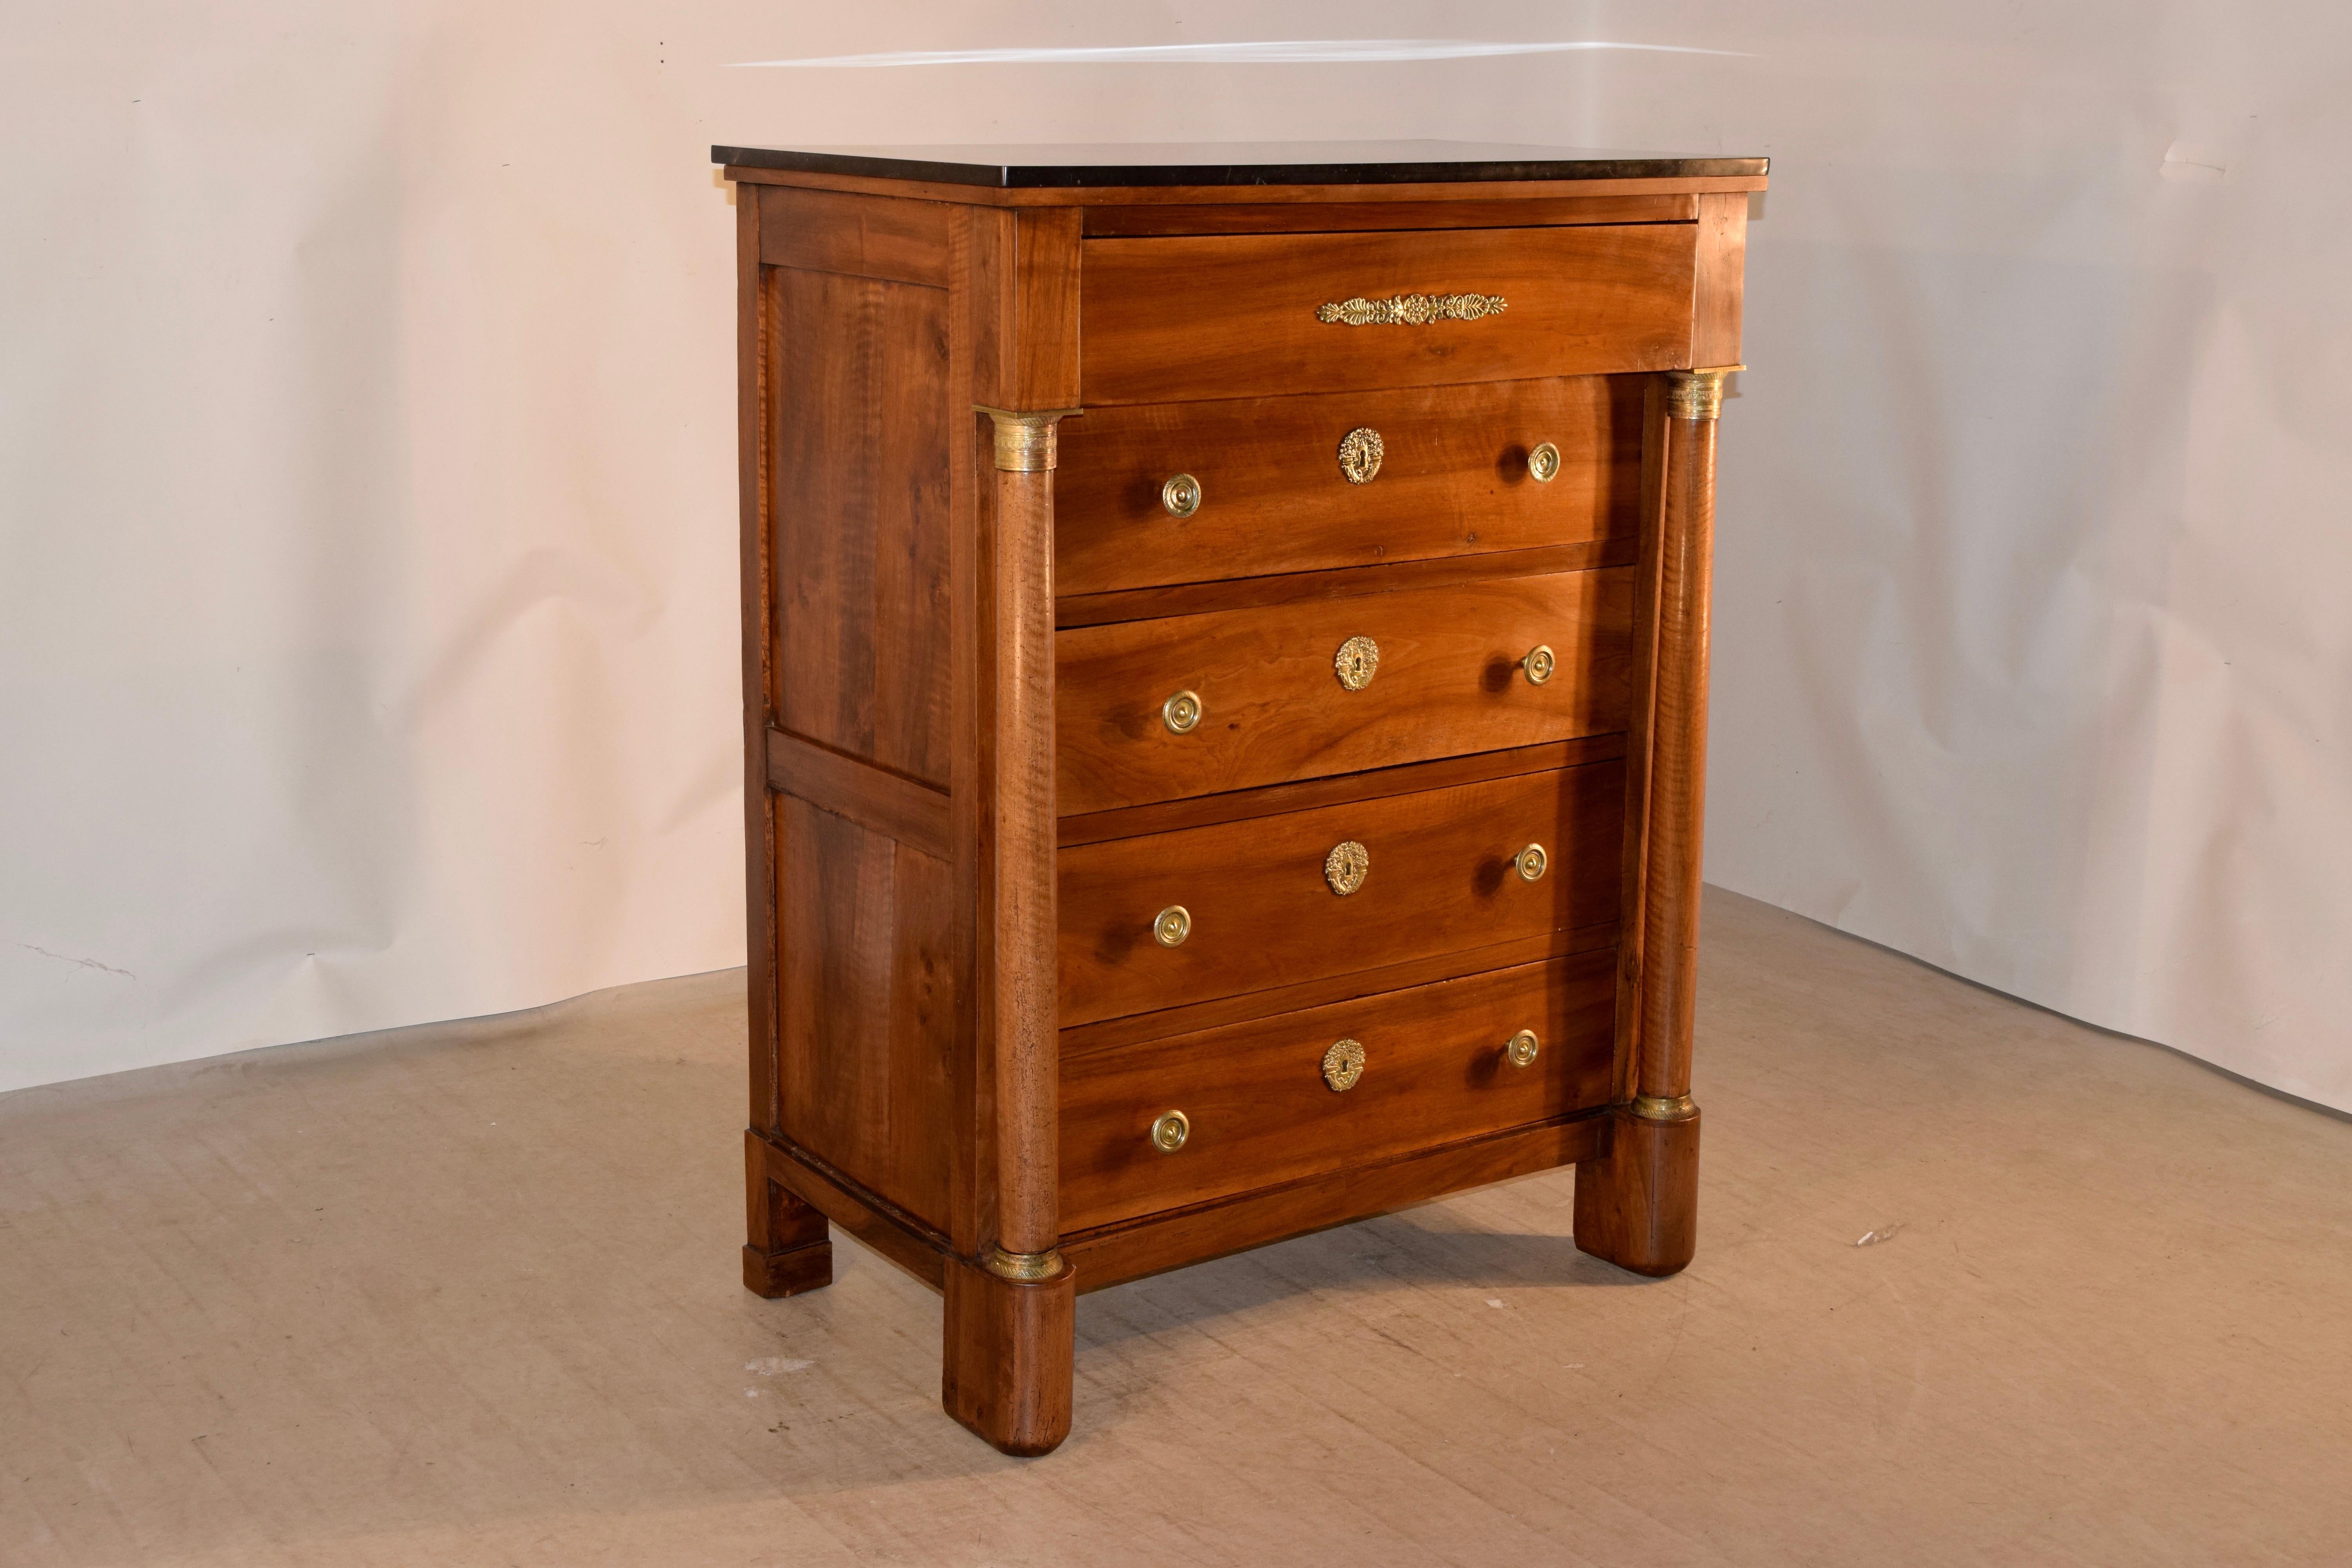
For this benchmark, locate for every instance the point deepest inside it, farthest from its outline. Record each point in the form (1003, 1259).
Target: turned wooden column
(1638, 1205)
(1010, 1323)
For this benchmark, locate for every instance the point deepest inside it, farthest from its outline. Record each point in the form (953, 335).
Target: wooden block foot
(788, 1250)
(788, 1272)
(1637, 1205)
(1006, 1357)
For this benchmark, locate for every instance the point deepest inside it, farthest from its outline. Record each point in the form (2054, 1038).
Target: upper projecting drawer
(1168, 319)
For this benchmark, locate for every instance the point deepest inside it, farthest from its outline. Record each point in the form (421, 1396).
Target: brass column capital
(1025, 440)
(1664, 1108)
(1697, 394)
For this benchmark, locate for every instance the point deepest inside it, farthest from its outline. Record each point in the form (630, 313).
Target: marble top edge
(1237, 163)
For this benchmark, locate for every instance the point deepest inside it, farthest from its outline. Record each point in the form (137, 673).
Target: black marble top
(1235, 163)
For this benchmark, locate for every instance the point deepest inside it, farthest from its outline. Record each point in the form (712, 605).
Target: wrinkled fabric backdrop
(367, 511)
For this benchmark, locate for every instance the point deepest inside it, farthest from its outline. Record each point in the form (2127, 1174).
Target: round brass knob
(1529, 863)
(1181, 495)
(1172, 925)
(1358, 660)
(1538, 664)
(1543, 463)
(1343, 1064)
(1345, 866)
(1519, 1050)
(1182, 712)
(1359, 454)
(1168, 1133)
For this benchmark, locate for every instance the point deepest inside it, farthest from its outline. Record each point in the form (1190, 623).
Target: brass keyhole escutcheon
(1521, 1049)
(1359, 454)
(1529, 863)
(1345, 866)
(1343, 1064)
(1538, 664)
(1181, 495)
(1182, 712)
(1168, 1133)
(1172, 925)
(1358, 660)
(1543, 463)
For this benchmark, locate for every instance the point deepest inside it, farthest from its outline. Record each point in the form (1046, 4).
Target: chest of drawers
(1224, 661)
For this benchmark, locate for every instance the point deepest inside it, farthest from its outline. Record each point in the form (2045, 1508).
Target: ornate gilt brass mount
(1530, 863)
(1520, 1050)
(1026, 440)
(1539, 664)
(1168, 1133)
(1343, 1064)
(1361, 451)
(1543, 463)
(1024, 1267)
(1358, 660)
(1172, 925)
(1697, 394)
(1408, 309)
(1665, 1107)
(1182, 712)
(1344, 867)
(1181, 495)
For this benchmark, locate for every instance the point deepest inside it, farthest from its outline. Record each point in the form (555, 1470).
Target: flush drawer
(1192, 492)
(1257, 1108)
(1188, 705)
(1262, 904)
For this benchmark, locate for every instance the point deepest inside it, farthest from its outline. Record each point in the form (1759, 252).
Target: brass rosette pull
(1520, 1050)
(1539, 664)
(1530, 863)
(1182, 712)
(1168, 1133)
(1181, 495)
(1172, 925)
(1543, 463)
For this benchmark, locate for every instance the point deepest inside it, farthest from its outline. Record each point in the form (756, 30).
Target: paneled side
(860, 431)
(870, 1005)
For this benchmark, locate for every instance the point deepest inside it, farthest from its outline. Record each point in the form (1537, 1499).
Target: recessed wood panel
(1453, 479)
(1449, 682)
(1261, 1112)
(1172, 319)
(858, 402)
(1262, 914)
(871, 1005)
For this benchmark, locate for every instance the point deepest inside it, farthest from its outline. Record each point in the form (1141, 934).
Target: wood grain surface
(859, 367)
(1234, 315)
(1453, 480)
(1449, 682)
(1261, 1112)
(1263, 915)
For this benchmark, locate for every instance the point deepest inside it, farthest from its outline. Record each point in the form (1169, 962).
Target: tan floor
(467, 1294)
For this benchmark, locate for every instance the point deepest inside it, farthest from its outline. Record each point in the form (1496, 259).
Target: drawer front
(1261, 906)
(1453, 478)
(1269, 703)
(1168, 320)
(1260, 1111)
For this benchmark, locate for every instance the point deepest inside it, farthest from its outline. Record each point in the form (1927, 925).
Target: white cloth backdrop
(367, 571)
